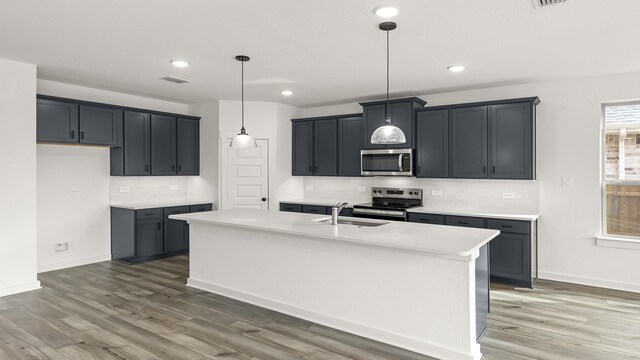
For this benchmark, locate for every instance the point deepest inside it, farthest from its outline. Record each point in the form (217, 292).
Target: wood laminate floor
(113, 311)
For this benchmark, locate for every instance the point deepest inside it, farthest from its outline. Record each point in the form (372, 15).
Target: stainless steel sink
(358, 223)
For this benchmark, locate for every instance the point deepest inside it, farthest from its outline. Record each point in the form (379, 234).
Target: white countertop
(319, 202)
(159, 204)
(476, 213)
(435, 239)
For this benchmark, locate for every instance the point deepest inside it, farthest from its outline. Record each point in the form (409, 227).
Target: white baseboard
(15, 289)
(590, 281)
(72, 263)
(386, 337)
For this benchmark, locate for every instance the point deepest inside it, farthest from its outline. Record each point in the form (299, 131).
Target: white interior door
(248, 177)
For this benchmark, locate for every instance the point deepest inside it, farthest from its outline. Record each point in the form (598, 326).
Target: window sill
(618, 242)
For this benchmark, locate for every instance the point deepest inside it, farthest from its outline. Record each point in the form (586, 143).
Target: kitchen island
(419, 287)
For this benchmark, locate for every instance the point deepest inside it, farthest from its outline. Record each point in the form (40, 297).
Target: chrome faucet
(335, 211)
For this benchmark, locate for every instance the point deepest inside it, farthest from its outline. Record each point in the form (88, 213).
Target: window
(621, 169)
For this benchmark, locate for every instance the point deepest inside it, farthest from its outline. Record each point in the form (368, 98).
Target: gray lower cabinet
(512, 254)
(139, 235)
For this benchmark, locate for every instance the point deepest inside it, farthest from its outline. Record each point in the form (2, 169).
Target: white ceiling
(327, 51)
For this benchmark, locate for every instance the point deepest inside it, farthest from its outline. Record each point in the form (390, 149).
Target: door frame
(223, 151)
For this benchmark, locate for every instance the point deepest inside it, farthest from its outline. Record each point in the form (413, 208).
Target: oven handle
(399, 214)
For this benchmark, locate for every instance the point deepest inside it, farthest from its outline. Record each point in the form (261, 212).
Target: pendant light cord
(386, 105)
(242, 96)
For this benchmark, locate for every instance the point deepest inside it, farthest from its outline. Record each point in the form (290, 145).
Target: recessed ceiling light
(455, 68)
(180, 63)
(286, 92)
(385, 11)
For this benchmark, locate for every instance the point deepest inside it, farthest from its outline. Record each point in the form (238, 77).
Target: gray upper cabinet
(163, 145)
(136, 147)
(511, 141)
(302, 148)
(188, 143)
(402, 113)
(57, 121)
(350, 143)
(325, 147)
(432, 144)
(469, 142)
(100, 125)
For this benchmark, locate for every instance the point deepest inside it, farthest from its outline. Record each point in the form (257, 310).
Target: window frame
(604, 235)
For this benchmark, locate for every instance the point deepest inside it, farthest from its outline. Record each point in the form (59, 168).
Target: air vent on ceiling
(174, 79)
(544, 3)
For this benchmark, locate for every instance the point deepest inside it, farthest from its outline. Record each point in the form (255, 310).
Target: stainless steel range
(389, 203)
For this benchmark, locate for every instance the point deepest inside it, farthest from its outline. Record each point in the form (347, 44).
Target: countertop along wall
(74, 188)
(568, 145)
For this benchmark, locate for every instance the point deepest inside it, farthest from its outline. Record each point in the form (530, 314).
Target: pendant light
(388, 133)
(243, 140)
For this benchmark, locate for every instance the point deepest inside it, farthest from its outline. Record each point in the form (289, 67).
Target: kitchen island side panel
(401, 297)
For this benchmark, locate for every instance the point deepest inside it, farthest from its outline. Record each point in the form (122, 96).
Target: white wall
(18, 181)
(206, 186)
(568, 145)
(82, 218)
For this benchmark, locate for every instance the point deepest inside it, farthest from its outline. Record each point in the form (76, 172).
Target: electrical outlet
(567, 182)
(362, 188)
(76, 191)
(309, 187)
(174, 187)
(436, 192)
(508, 195)
(124, 189)
(59, 247)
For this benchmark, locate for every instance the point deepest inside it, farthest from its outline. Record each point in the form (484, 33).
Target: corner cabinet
(326, 146)
(491, 140)
(402, 113)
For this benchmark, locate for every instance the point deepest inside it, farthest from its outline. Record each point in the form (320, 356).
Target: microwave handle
(400, 162)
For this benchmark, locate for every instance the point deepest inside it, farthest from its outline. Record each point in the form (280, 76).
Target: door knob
(264, 199)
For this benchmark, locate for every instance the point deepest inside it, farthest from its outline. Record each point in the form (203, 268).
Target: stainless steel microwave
(389, 162)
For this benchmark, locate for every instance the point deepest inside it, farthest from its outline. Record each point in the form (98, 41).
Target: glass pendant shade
(243, 140)
(388, 134)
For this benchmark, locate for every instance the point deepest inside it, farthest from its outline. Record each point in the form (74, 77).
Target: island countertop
(438, 240)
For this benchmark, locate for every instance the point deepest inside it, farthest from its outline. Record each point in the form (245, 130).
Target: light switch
(124, 189)
(309, 187)
(436, 192)
(174, 187)
(508, 195)
(567, 182)
(362, 188)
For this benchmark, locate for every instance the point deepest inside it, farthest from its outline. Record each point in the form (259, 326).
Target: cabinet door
(57, 121)
(511, 141)
(373, 117)
(149, 238)
(174, 235)
(100, 125)
(188, 143)
(402, 117)
(325, 147)
(136, 143)
(163, 145)
(302, 148)
(432, 144)
(469, 142)
(511, 257)
(350, 143)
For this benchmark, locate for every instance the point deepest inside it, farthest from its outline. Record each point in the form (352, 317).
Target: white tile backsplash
(147, 189)
(459, 194)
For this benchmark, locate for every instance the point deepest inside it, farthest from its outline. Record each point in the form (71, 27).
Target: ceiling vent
(545, 3)
(174, 79)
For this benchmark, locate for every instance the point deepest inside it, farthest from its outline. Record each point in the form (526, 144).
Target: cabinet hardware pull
(484, 169)
(73, 134)
(146, 168)
(506, 226)
(463, 223)
(316, 169)
(173, 168)
(81, 135)
(494, 169)
(179, 168)
(310, 168)
(158, 226)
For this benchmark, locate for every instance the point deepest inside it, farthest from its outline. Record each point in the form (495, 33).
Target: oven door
(389, 162)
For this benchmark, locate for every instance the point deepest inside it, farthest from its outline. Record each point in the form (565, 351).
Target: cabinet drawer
(510, 226)
(312, 209)
(464, 221)
(201, 208)
(148, 214)
(290, 207)
(176, 210)
(426, 218)
(343, 212)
